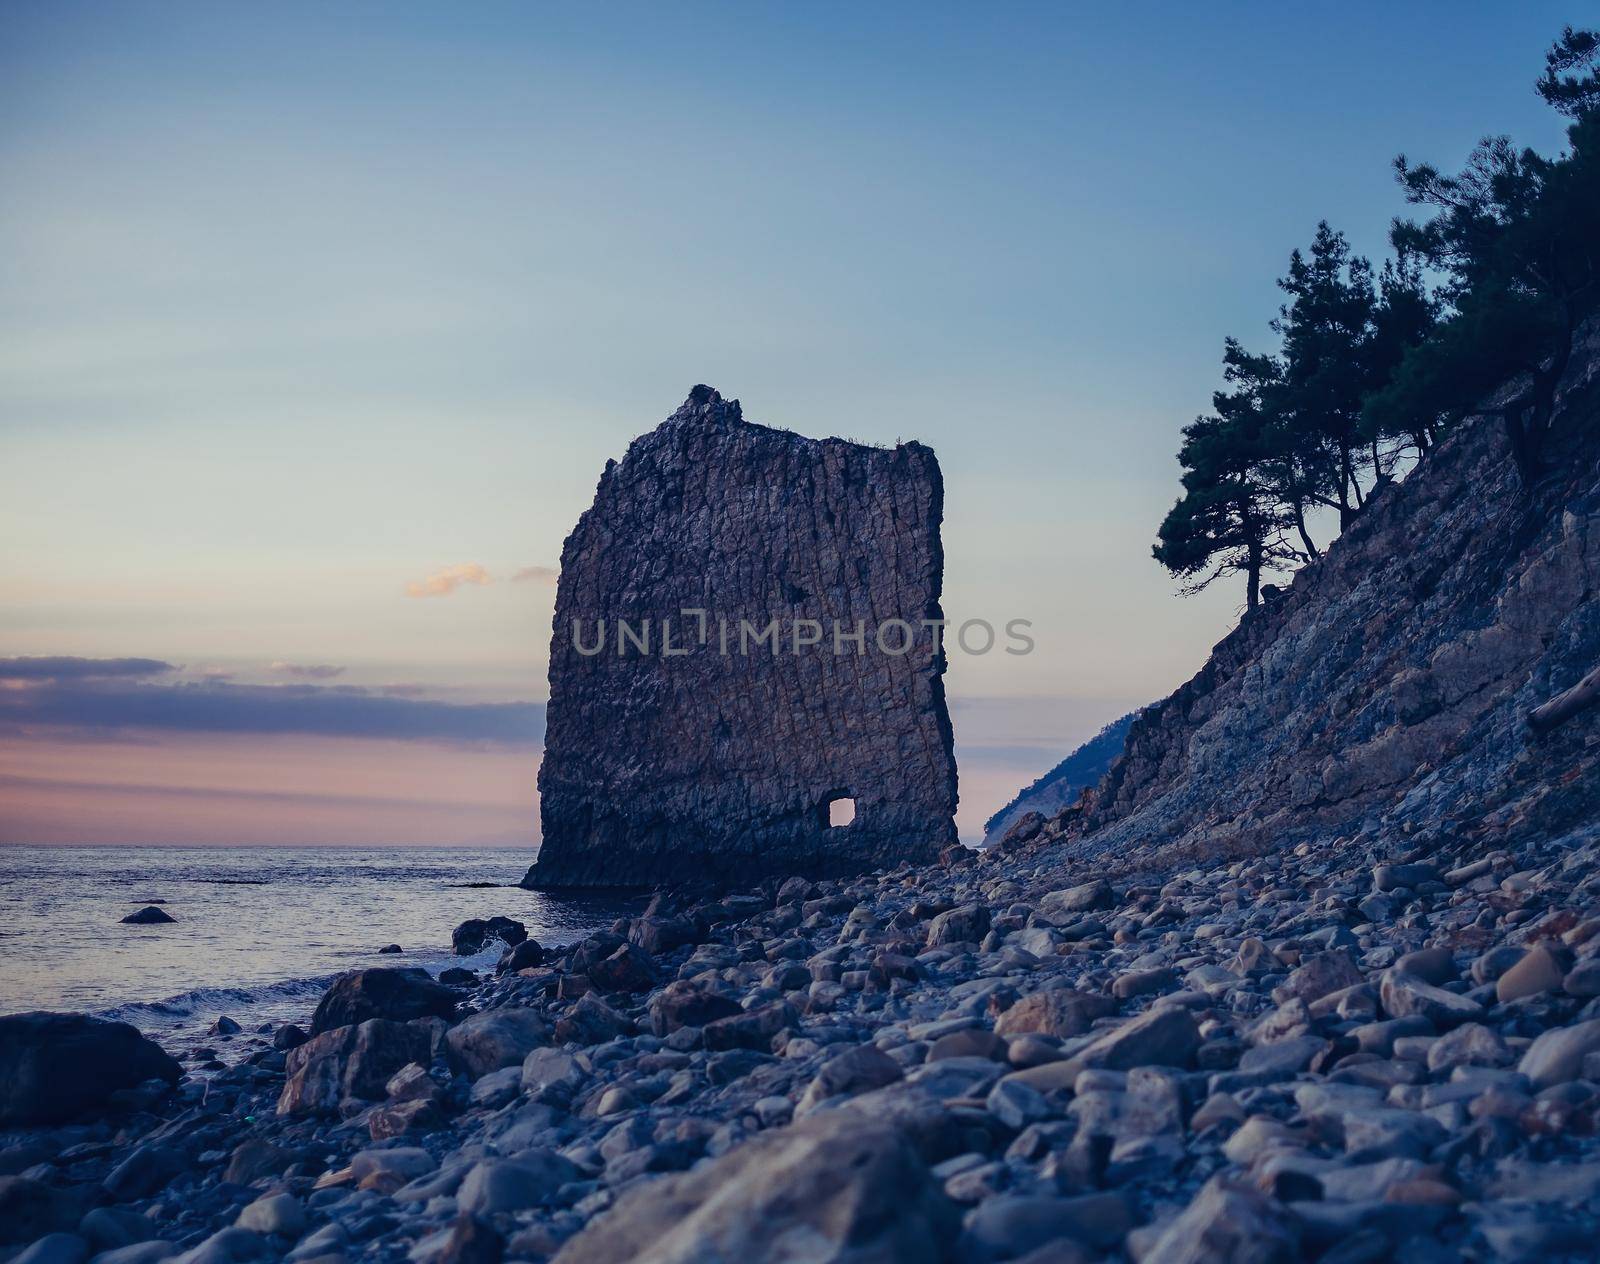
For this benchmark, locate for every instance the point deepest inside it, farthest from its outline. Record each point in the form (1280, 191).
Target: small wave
(233, 882)
(216, 1000)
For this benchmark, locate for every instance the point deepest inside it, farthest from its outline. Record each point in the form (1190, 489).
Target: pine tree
(1326, 329)
(1518, 236)
(1228, 519)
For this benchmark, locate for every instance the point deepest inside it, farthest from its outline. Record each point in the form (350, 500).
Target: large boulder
(495, 1039)
(56, 1067)
(685, 1003)
(590, 1022)
(397, 994)
(1164, 1036)
(1058, 1012)
(837, 1188)
(477, 933)
(347, 1067)
(628, 969)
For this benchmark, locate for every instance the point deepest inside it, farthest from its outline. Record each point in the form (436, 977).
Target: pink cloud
(540, 574)
(444, 582)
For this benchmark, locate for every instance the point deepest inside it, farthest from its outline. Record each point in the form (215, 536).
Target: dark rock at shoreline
(523, 956)
(289, 1036)
(456, 977)
(476, 933)
(150, 915)
(393, 993)
(56, 1067)
(390, 950)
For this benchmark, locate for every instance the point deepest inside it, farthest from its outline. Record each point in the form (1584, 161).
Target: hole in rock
(841, 809)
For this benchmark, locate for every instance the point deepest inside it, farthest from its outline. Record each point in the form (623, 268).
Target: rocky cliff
(740, 661)
(1389, 689)
(1062, 785)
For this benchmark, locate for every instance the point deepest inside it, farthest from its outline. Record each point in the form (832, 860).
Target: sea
(258, 934)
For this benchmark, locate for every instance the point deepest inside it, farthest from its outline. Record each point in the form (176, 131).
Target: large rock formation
(1390, 689)
(684, 748)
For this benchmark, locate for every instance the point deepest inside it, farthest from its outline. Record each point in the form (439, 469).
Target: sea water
(259, 932)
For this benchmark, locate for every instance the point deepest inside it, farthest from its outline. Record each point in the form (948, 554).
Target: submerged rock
(150, 915)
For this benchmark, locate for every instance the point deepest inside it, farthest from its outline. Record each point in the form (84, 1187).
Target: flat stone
(1557, 1055)
(1165, 1036)
(1539, 971)
(1405, 995)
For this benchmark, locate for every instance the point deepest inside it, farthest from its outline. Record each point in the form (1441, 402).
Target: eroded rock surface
(719, 761)
(1390, 687)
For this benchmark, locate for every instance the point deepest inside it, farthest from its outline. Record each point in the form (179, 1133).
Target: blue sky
(304, 304)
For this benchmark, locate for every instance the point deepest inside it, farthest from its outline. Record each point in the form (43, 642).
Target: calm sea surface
(259, 932)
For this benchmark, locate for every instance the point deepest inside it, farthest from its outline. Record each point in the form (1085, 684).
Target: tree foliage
(1372, 366)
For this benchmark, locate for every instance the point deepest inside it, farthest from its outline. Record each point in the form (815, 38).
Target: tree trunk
(1305, 536)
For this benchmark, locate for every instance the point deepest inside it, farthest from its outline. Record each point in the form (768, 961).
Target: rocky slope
(1061, 786)
(1388, 690)
(720, 757)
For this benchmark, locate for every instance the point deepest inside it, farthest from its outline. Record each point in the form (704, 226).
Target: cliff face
(1389, 688)
(712, 754)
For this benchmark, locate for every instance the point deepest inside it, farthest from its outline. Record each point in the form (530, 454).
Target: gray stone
(857, 1070)
(1165, 1036)
(1013, 1225)
(1228, 1223)
(839, 1187)
(496, 1039)
(1405, 995)
(1557, 1055)
(279, 1214)
(552, 1076)
(498, 1185)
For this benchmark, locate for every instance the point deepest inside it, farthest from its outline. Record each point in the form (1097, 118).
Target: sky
(319, 322)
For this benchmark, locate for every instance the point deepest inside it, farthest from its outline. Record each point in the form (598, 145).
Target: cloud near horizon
(113, 694)
(306, 671)
(541, 574)
(70, 667)
(444, 582)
